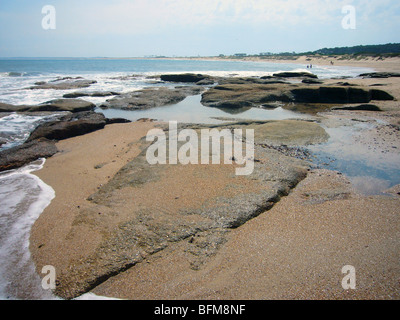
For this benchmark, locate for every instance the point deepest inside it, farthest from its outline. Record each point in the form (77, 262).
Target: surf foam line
(23, 197)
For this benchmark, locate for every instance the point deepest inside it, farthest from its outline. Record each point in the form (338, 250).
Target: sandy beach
(381, 65)
(295, 250)
(384, 65)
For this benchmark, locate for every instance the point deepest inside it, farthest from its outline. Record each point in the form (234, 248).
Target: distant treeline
(380, 50)
(368, 49)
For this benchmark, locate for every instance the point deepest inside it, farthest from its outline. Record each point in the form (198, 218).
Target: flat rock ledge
(293, 74)
(204, 79)
(63, 84)
(28, 152)
(151, 98)
(146, 208)
(185, 77)
(378, 75)
(232, 93)
(246, 94)
(80, 94)
(362, 107)
(57, 105)
(69, 126)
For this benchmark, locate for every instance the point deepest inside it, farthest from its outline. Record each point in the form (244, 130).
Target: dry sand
(294, 251)
(381, 65)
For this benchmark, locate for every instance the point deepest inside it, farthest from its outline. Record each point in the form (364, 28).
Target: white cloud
(138, 16)
(124, 17)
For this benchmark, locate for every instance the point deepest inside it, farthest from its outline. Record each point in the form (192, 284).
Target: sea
(23, 196)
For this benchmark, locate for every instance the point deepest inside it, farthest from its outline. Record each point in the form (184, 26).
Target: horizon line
(160, 56)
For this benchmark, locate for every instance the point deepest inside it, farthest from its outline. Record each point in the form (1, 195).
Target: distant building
(240, 54)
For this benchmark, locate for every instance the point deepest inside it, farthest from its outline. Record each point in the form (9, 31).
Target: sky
(137, 28)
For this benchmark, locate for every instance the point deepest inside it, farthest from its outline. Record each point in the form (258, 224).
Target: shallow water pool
(191, 110)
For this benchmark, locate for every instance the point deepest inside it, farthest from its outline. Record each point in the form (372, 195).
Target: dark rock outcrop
(248, 95)
(5, 107)
(244, 95)
(206, 82)
(345, 84)
(293, 74)
(380, 95)
(90, 94)
(363, 107)
(151, 98)
(311, 81)
(64, 84)
(116, 120)
(58, 105)
(69, 126)
(2, 141)
(331, 95)
(71, 105)
(251, 80)
(41, 142)
(24, 154)
(380, 75)
(185, 77)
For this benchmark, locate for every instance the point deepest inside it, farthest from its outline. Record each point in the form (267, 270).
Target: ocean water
(183, 113)
(371, 170)
(23, 196)
(16, 75)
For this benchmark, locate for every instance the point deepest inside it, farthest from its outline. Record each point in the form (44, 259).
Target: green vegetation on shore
(355, 52)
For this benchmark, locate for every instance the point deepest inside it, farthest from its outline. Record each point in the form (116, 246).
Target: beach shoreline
(380, 65)
(293, 251)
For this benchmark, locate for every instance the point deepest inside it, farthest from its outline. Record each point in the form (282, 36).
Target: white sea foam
(92, 296)
(23, 198)
(16, 128)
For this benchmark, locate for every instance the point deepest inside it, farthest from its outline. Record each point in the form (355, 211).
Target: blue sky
(133, 28)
